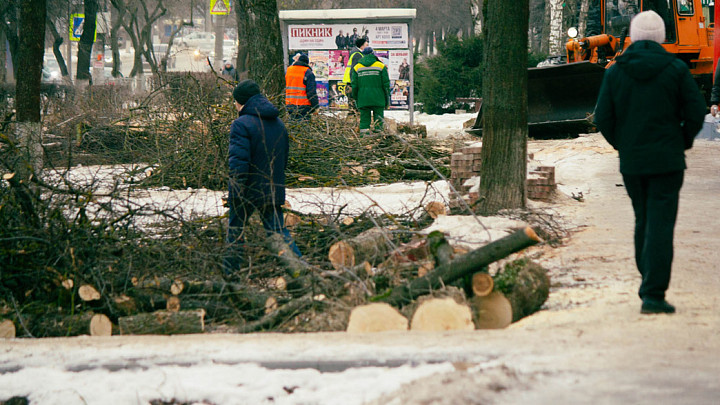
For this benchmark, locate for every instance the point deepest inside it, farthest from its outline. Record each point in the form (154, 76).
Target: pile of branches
(78, 254)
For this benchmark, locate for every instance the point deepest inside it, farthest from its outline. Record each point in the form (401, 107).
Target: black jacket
(649, 109)
(258, 154)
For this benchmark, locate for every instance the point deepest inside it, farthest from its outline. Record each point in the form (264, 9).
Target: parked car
(51, 71)
(194, 39)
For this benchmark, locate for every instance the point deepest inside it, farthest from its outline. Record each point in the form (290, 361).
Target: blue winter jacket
(258, 154)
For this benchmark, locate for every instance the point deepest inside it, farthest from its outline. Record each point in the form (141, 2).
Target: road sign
(77, 23)
(219, 7)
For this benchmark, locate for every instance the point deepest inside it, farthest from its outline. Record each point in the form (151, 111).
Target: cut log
(370, 246)
(125, 304)
(492, 311)
(163, 323)
(88, 293)
(173, 303)
(283, 313)
(469, 263)
(100, 325)
(525, 284)
(7, 329)
(376, 317)
(64, 325)
(291, 220)
(438, 314)
(482, 284)
(435, 209)
(271, 305)
(177, 287)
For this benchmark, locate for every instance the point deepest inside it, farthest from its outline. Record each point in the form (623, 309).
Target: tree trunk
(466, 264)
(556, 27)
(87, 39)
(264, 43)
(582, 23)
(29, 74)
(57, 42)
(3, 57)
(504, 152)
(114, 43)
(163, 323)
(241, 17)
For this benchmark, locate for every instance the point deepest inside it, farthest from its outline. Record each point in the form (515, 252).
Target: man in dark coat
(650, 110)
(258, 155)
(230, 72)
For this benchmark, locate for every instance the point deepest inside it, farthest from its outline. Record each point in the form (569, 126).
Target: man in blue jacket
(258, 155)
(650, 110)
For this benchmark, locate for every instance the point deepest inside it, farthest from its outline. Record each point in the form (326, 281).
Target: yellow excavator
(562, 95)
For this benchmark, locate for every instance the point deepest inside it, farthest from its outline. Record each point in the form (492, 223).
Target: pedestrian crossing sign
(77, 23)
(219, 7)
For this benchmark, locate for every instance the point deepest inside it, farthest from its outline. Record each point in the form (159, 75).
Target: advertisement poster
(337, 97)
(319, 64)
(322, 93)
(338, 60)
(399, 94)
(399, 67)
(342, 36)
(384, 58)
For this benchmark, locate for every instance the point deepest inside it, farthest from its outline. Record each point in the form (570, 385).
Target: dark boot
(652, 306)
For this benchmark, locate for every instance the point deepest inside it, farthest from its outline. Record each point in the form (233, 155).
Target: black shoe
(651, 306)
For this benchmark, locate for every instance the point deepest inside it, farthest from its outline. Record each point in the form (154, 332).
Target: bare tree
(504, 153)
(137, 18)
(29, 73)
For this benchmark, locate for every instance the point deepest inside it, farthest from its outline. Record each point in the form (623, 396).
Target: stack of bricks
(464, 165)
(541, 183)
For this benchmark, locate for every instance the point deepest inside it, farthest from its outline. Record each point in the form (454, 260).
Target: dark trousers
(240, 212)
(655, 202)
(370, 114)
(299, 112)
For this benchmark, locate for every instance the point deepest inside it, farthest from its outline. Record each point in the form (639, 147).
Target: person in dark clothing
(230, 72)
(340, 40)
(715, 92)
(354, 36)
(301, 97)
(257, 157)
(650, 110)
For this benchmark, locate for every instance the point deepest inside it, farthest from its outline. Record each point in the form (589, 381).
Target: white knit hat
(649, 26)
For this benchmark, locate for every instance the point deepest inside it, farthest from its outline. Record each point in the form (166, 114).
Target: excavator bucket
(560, 99)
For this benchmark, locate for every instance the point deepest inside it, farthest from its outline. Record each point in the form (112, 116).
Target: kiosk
(325, 36)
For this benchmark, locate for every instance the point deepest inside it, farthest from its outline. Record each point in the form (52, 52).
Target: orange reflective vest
(295, 93)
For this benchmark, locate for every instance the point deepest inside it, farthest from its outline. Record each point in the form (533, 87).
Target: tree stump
(435, 209)
(370, 246)
(378, 317)
(163, 323)
(492, 311)
(7, 329)
(439, 314)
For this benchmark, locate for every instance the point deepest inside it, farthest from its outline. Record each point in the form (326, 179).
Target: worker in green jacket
(370, 83)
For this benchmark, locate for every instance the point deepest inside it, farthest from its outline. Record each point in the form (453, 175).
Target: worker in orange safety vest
(301, 98)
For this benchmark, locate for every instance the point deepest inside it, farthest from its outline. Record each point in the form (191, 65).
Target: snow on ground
(438, 126)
